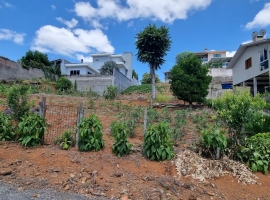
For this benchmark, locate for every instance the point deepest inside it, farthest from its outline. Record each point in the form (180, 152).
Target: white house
(211, 57)
(124, 62)
(250, 65)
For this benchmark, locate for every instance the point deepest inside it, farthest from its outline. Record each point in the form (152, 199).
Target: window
(217, 55)
(89, 72)
(74, 72)
(264, 59)
(248, 63)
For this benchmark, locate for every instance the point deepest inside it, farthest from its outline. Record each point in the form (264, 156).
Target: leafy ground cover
(131, 176)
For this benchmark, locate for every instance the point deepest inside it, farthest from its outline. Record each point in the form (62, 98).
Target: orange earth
(103, 174)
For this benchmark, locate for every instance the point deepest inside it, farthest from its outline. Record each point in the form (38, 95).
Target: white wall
(220, 72)
(128, 57)
(240, 74)
(98, 61)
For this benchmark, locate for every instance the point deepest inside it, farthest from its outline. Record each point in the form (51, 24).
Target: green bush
(18, 100)
(213, 137)
(31, 129)
(258, 123)
(110, 93)
(6, 128)
(66, 140)
(180, 119)
(63, 84)
(256, 154)
(90, 134)
(158, 144)
(236, 109)
(120, 132)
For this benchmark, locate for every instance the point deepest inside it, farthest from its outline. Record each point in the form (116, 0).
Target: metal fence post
(80, 116)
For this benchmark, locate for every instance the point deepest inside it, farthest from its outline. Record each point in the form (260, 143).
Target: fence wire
(59, 119)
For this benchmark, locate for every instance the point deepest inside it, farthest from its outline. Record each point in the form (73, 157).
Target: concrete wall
(121, 81)
(128, 57)
(220, 72)
(241, 74)
(94, 83)
(10, 70)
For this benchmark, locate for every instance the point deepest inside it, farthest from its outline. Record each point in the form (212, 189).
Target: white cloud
(53, 7)
(130, 24)
(166, 11)
(70, 24)
(262, 19)
(70, 42)
(230, 53)
(6, 4)
(85, 58)
(6, 34)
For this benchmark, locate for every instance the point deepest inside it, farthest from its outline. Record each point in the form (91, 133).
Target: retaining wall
(10, 71)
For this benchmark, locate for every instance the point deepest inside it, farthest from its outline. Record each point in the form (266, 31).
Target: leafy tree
(146, 79)
(135, 75)
(188, 79)
(152, 44)
(107, 68)
(35, 59)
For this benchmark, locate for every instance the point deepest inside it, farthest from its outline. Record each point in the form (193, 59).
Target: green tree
(135, 75)
(152, 44)
(188, 79)
(146, 79)
(107, 68)
(35, 59)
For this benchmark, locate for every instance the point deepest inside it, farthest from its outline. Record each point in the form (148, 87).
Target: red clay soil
(103, 174)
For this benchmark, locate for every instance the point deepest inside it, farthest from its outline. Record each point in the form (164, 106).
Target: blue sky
(73, 30)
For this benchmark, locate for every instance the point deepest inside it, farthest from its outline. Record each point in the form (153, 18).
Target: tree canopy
(35, 59)
(188, 78)
(107, 68)
(134, 74)
(146, 79)
(152, 44)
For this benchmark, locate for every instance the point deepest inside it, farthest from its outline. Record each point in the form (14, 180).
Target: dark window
(248, 63)
(264, 59)
(74, 72)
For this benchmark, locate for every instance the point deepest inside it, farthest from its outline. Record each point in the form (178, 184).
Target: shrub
(158, 144)
(256, 154)
(120, 133)
(258, 123)
(90, 134)
(31, 129)
(63, 84)
(213, 138)
(18, 101)
(6, 128)
(110, 93)
(179, 122)
(237, 108)
(66, 140)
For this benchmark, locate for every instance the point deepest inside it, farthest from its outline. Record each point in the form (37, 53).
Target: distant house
(250, 65)
(88, 77)
(209, 57)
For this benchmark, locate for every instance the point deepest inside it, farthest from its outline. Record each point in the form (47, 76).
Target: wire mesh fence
(60, 119)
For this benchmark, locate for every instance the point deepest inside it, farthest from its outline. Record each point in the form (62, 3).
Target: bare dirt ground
(105, 175)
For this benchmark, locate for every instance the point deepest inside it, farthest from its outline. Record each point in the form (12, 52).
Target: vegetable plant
(6, 128)
(120, 133)
(31, 129)
(90, 134)
(256, 154)
(213, 137)
(158, 144)
(66, 140)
